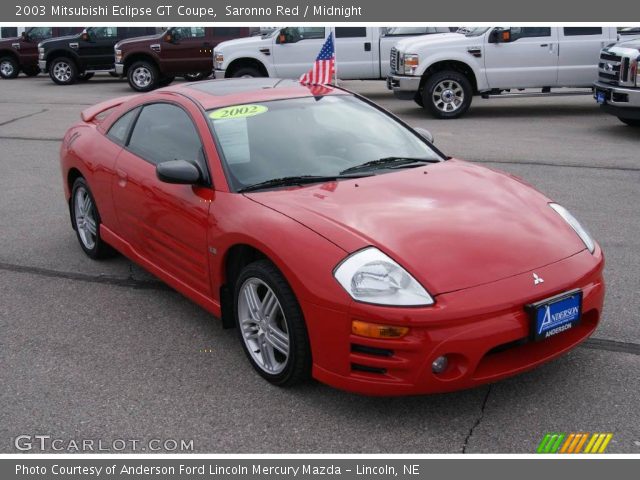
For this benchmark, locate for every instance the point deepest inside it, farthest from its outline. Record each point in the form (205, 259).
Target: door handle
(122, 177)
(544, 44)
(367, 46)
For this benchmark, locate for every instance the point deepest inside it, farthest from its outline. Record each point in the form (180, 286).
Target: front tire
(86, 221)
(247, 72)
(143, 76)
(9, 67)
(632, 122)
(196, 77)
(271, 325)
(63, 71)
(447, 94)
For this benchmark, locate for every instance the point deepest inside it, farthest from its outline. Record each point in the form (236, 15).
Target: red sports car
(338, 241)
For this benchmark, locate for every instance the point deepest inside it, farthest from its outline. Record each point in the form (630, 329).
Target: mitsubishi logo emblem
(537, 280)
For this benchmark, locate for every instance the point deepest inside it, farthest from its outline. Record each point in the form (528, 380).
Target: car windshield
(473, 32)
(311, 136)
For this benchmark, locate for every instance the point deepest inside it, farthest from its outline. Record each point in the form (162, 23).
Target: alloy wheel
(62, 71)
(142, 77)
(6, 67)
(263, 326)
(85, 218)
(448, 96)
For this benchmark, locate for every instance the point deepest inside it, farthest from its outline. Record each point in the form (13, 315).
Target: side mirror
(179, 172)
(85, 37)
(502, 35)
(426, 134)
(169, 37)
(25, 36)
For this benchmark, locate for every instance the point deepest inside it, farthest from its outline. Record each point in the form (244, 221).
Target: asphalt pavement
(103, 351)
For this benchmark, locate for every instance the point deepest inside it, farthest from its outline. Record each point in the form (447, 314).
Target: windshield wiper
(388, 162)
(295, 180)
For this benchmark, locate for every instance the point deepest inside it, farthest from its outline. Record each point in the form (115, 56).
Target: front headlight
(40, 52)
(575, 224)
(370, 276)
(218, 58)
(410, 63)
(118, 55)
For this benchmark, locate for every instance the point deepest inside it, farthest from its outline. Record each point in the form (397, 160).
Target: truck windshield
(310, 136)
(474, 32)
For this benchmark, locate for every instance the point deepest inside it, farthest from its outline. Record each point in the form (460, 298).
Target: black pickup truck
(78, 57)
(20, 54)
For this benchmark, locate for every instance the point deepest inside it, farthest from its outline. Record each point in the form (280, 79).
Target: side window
(62, 31)
(529, 32)
(307, 33)
(575, 31)
(40, 33)
(188, 32)
(120, 128)
(103, 33)
(351, 32)
(165, 132)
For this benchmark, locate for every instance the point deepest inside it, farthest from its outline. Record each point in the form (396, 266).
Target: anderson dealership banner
(20, 12)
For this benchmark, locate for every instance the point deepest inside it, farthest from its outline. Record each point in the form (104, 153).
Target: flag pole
(335, 56)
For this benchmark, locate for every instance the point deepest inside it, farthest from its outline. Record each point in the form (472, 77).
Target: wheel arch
(5, 52)
(72, 175)
(136, 57)
(455, 65)
(245, 62)
(51, 56)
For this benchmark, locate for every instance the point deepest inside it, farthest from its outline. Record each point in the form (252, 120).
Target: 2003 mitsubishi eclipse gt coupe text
(337, 240)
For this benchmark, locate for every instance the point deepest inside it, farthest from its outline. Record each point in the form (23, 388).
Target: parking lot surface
(102, 350)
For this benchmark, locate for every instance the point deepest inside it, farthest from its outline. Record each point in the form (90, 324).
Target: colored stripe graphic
(574, 442)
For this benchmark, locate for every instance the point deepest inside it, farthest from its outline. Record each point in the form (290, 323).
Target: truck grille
(393, 61)
(613, 68)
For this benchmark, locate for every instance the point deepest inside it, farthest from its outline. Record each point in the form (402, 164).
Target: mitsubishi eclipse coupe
(338, 241)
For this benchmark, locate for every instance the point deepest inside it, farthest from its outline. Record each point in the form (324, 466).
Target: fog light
(440, 364)
(375, 330)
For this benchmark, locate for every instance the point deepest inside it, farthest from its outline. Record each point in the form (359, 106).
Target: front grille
(609, 68)
(393, 61)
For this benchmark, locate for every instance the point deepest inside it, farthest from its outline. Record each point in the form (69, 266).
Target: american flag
(324, 66)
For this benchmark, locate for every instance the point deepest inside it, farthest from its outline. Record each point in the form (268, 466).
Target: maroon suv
(20, 54)
(154, 61)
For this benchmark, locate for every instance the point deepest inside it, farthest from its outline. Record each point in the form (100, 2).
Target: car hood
(631, 43)
(135, 41)
(246, 41)
(60, 39)
(7, 41)
(408, 45)
(452, 225)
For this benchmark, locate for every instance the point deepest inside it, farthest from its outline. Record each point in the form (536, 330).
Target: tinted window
(62, 31)
(188, 32)
(103, 33)
(528, 32)
(573, 31)
(351, 32)
(310, 32)
(120, 128)
(227, 31)
(165, 132)
(39, 33)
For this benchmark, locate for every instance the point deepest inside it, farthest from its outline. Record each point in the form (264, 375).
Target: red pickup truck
(154, 61)
(20, 54)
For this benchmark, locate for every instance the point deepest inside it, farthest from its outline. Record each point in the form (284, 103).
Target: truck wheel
(63, 71)
(31, 71)
(164, 81)
(247, 72)
(447, 94)
(632, 122)
(9, 67)
(85, 77)
(143, 76)
(196, 77)
(418, 99)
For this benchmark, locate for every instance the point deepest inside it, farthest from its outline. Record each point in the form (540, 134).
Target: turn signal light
(375, 330)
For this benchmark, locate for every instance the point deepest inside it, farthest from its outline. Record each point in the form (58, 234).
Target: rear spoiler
(91, 113)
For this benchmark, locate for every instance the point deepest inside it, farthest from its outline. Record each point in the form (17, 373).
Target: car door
(296, 56)
(579, 54)
(96, 53)
(528, 59)
(354, 52)
(165, 223)
(189, 50)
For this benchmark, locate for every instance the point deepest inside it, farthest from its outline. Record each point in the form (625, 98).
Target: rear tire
(632, 122)
(271, 325)
(447, 94)
(63, 71)
(247, 72)
(9, 67)
(86, 221)
(143, 76)
(196, 77)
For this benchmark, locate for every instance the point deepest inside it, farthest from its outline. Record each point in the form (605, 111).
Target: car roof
(235, 91)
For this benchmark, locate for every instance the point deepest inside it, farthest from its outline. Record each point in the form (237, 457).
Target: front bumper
(219, 73)
(404, 87)
(119, 68)
(484, 331)
(42, 64)
(619, 101)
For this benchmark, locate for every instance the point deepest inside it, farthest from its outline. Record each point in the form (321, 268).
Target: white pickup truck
(361, 52)
(443, 72)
